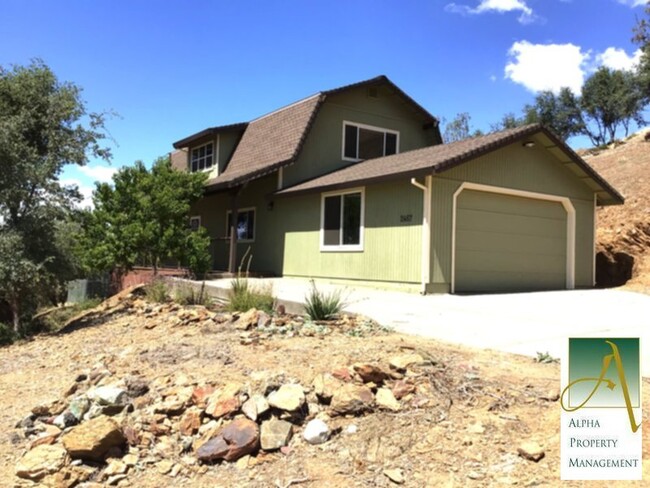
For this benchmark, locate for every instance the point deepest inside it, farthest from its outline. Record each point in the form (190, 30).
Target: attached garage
(511, 241)
(506, 212)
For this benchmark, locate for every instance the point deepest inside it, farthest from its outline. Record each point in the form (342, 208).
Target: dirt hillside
(624, 230)
(161, 384)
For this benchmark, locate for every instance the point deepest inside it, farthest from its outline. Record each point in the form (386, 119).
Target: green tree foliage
(44, 126)
(560, 112)
(459, 128)
(143, 218)
(610, 100)
(642, 38)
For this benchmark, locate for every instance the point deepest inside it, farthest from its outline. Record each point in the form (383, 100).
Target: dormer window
(202, 158)
(366, 142)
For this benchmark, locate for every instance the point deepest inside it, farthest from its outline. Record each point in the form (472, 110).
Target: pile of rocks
(254, 325)
(105, 428)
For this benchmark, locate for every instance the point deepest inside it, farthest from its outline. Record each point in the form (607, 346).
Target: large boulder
(385, 399)
(275, 434)
(325, 385)
(225, 401)
(316, 432)
(94, 438)
(289, 397)
(237, 439)
(41, 461)
(371, 373)
(352, 399)
(246, 320)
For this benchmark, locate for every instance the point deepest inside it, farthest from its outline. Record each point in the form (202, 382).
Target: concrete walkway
(523, 323)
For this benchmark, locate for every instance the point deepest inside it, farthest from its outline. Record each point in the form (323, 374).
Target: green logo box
(613, 363)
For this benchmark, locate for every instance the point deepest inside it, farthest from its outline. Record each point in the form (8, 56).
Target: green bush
(243, 296)
(188, 295)
(323, 306)
(156, 291)
(7, 335)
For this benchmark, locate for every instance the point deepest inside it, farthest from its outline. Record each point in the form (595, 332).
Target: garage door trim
(565, 201)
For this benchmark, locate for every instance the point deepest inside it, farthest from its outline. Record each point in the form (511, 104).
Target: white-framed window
(245, 224)
(341, 223)
(202, 157)
(362, 141)
(195, 222)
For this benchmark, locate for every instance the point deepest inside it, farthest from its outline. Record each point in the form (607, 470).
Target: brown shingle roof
(275, 140)
(435, 159)
(269, 142)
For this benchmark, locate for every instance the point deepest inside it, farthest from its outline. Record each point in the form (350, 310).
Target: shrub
(188, 295)
(545, 357)
(7, 335)
(243, 296)
(323, 306)
(156, 291)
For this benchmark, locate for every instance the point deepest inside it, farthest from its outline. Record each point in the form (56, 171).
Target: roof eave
(187, 141)
(616, 197)
(218, 186)
(446, 165)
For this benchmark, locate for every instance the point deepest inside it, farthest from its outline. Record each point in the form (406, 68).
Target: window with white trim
(202, 157)
(195, 222)
(245, 224)
(342, 221)
(367, 142)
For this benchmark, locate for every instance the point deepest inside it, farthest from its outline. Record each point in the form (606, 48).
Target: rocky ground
(148, 395)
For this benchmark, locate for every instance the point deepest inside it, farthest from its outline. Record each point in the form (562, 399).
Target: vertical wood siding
(528, 169)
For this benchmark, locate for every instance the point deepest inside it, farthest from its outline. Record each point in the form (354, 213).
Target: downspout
(426, 230)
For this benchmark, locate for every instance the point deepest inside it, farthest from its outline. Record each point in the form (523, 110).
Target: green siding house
(355, 184)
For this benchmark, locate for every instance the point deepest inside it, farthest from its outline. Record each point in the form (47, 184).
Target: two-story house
(355, 184)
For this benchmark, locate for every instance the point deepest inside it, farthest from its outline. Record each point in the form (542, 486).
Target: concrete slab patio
(523, 323)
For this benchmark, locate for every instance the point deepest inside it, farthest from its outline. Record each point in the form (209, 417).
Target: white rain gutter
(426, 230)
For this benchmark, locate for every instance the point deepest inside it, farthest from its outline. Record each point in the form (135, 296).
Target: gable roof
(439, 158)
(275, 140)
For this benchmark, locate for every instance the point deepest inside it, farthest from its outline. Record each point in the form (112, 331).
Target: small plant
(243, 296)
(323, 306)
(156, 291)
(188, 295)
(545, 358)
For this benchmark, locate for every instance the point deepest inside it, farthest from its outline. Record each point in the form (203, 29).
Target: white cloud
(103, 174)
(501, 6)
(541, 67)
(634, 3)
(616, 58)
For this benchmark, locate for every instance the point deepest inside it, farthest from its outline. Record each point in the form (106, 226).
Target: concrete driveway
(523, 323)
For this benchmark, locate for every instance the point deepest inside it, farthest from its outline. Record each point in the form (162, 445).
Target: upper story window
(202, 157)
(367, 142)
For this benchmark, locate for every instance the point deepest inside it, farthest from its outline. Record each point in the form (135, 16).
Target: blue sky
(172, 68)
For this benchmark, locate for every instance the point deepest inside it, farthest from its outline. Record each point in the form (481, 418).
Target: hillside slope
(623, 233)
